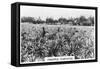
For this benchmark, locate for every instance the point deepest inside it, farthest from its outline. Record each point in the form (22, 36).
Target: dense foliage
(38, 42)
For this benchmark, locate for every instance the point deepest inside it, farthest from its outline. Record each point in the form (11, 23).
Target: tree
(62, 20)
(82, 18)
(49, 20)
(91, 19)
(28, 19)
(39, 21)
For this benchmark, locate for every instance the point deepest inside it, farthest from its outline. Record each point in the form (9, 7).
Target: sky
(44, 12)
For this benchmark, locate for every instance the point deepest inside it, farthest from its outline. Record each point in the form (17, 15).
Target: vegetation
(40, 41)
(80, 21)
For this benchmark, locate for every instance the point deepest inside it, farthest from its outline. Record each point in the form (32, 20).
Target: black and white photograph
(51, 34)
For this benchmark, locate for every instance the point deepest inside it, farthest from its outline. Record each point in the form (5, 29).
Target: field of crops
(39, 41)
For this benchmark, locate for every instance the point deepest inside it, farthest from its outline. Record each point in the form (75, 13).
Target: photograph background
(5, 34)
(65, 42)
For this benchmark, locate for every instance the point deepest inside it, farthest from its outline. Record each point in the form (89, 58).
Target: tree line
(80, 21)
